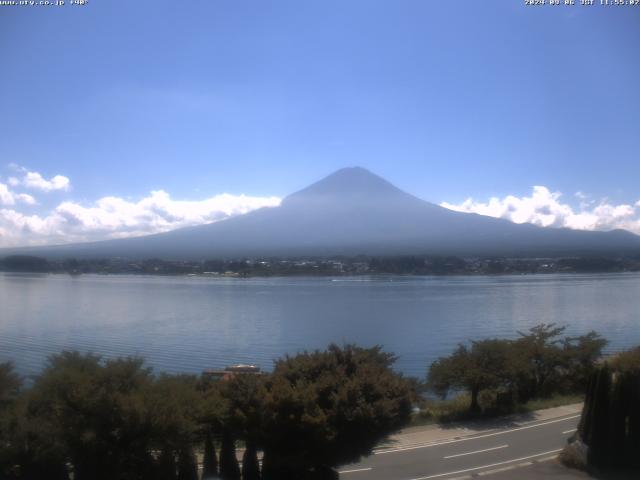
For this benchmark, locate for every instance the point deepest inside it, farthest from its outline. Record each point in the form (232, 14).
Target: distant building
(233, 370)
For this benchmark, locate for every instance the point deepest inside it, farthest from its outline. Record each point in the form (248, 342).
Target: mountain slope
(353, 211)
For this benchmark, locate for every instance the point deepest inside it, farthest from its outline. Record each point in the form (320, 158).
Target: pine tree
(229, 468)
(250, 466)
(187, 468)
(598, 440)
(210, 461)
(633, 435)
(618, 421)
(586, 420)
(167, 465)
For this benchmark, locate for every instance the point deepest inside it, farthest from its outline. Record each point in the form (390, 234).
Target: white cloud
(544, 208)
(26, 198)
(7, 197)
(113, 217)
(38, 182)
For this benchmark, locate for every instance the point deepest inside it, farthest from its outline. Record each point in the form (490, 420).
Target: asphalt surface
(478, 454)
(552, 470)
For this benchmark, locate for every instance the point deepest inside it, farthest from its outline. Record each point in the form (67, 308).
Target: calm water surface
(189, 323)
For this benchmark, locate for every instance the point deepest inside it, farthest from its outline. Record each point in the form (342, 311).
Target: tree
(187, 468)
(210, 461)
(229, 468)
(166, 465)
(627, 361)
(484, 365)
(250, 465)
(581, 354)
(538, 360)
(610, 422)
(10, 384)
(98, 413)
(599, 438)
(28, 446)
(243, 397)
(175, 407)
(327, 408)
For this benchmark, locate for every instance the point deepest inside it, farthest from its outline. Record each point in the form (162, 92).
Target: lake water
(191, 323)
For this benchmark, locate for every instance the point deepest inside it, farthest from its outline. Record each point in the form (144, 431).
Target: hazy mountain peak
(348, 182)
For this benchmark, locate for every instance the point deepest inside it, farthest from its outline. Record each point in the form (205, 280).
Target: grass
(457, 409)
(551, 402)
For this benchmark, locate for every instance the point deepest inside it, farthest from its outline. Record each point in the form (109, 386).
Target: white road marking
(356, 470)
(466, 439)
(487, 466)
(570, 431)
(477, 451)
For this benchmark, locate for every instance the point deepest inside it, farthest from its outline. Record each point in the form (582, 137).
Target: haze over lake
(191, 323)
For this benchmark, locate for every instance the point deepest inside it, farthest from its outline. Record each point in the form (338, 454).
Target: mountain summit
(350, 212)
(349, 182)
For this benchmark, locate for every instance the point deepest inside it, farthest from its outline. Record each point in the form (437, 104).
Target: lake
(187, 324)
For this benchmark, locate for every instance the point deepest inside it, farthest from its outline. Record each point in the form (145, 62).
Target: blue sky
(448, 100)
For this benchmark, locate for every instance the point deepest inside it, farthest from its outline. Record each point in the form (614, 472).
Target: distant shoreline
(412, 265)
(317, 275)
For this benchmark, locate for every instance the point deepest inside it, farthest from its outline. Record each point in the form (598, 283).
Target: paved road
(480, 453)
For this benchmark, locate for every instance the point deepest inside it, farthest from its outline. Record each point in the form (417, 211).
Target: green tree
(166, 465)
(209, 461)
(29, 447)
(175, 407)
(598, 441)
(539, 360)
(580, 356)
(187, 467)
(98, 413)
(483, 365)
(610, 422)
(627, 361)
(229, 468)
(244, 402)
(327, 408)
(250, 465)
(10, 384)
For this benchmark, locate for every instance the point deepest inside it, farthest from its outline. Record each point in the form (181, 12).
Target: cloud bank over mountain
(546, 209)
(107, 217)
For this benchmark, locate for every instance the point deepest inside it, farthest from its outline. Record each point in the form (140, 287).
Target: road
(480, 453)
